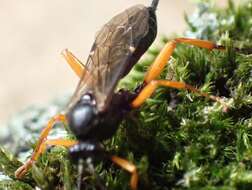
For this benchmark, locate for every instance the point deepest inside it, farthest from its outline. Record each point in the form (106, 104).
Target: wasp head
(82, 116)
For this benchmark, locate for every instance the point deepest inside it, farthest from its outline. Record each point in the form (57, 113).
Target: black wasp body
(96, 110)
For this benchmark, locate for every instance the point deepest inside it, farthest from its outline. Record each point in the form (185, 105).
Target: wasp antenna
(154, 4)
(80, 173)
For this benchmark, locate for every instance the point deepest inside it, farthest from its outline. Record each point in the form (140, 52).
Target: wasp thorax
(82, 116)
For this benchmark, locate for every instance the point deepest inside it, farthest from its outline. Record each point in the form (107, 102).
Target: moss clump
(178, 140)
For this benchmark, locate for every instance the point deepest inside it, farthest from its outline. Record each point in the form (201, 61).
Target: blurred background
(33, 33)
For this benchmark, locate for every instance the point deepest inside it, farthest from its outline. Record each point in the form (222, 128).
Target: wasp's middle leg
(148, 90)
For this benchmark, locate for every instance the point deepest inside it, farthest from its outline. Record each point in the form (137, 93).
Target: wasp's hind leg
(159, 64)
(77, 66)
(39, 146)
(150, 84)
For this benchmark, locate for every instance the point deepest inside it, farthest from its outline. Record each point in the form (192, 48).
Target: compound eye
(81, 118)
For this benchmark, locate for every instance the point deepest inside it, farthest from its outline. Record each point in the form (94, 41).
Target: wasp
(96, 108)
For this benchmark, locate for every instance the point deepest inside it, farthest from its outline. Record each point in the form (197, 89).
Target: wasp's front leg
(40, 145)
(131, 168)
(21, 171)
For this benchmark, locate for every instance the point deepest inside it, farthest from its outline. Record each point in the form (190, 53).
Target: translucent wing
(110, 54)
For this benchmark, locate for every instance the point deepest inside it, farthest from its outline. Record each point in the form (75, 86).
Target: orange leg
(37, 151)
(77, 66)
(161, 60)
(151, 87)
(130, 168)
(55, 142)
(21, 171)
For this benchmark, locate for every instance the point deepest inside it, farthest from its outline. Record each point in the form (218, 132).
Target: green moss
(178, 140)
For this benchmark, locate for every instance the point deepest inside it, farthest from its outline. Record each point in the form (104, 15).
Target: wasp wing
(110, 54)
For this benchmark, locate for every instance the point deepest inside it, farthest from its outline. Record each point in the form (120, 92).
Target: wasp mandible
(96, 109)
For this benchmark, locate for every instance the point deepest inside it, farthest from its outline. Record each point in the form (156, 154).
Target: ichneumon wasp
(96, 109)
